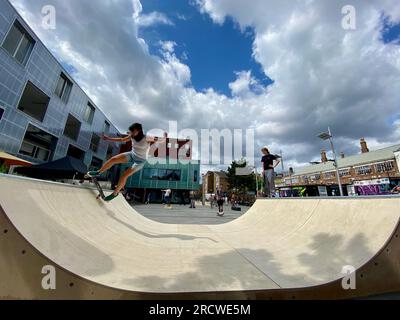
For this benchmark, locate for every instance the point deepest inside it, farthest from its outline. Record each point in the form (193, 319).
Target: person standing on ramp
(269, 163)
(137, 156)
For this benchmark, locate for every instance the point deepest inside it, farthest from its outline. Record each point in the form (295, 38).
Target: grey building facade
(44, 114)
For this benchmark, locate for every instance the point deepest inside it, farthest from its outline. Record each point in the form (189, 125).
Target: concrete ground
(184, 215)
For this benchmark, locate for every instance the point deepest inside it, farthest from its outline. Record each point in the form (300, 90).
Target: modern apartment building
(164, 170)
(44, 114)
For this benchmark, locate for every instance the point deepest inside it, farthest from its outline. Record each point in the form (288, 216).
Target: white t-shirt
(140, 149)
(167, 192)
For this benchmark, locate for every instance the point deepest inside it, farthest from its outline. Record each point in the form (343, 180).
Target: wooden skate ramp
(280, 249)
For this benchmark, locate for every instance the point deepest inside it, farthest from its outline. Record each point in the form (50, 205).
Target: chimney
(342, 155)
(324, 158)
(364, 147)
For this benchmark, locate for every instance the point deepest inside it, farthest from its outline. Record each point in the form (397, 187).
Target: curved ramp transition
(280, 249)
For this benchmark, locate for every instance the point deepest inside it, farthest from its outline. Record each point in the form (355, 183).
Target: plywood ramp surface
(284, 248)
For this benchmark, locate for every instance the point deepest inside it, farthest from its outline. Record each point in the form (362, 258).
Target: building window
(384, 166)
(110, 152)
(38, 144)
(150, 174)
(1, 113)
(72, 128)
(19, 43)
(344, 173)
(294, 180)
(89, 113)
(330, 175)
(364, 170)
(169, 175)
(95, 164)
(64, 87)
(315, 177)
(161, 174)
(106, 128)
(34, 102)
(94, 143)
(75, 152)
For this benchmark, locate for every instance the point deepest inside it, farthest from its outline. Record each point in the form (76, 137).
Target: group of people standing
(167, 197)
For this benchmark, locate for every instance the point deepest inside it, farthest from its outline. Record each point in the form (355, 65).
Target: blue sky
(214, 52)
(390, 33)
(357, 95)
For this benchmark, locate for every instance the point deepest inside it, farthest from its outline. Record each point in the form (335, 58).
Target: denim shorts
(137, 163)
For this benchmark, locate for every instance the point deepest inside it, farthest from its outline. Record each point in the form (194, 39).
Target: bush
(4, 168)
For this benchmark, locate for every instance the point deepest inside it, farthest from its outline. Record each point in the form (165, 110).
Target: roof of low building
(351, 161)
(12, 160)
(218, 173)
(221, 174)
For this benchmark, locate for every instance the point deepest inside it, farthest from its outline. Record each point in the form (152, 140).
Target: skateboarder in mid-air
(137, 156)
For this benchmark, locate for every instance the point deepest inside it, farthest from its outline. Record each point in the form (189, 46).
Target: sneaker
(112, 196)
(93, 174)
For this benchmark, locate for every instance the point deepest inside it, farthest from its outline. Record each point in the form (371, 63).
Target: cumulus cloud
(149, 19)
(245, 85)
(153, 18)
(323, 75)
(168, 46)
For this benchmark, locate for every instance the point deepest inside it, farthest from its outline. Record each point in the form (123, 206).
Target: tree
(238, 183)
(4, 168)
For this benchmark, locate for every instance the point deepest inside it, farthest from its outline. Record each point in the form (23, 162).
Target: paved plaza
(180, 214)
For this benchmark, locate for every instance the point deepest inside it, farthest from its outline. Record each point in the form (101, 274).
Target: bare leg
(112, 162)
(124, 179)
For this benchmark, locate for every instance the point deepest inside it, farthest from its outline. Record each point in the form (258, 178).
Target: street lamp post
(203, 196)
(255, 171)
(328, 136)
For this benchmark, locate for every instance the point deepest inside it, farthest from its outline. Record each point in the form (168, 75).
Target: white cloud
(323, 75)
(152, 19)
(245, 85)
(168, 46)
(182, 17)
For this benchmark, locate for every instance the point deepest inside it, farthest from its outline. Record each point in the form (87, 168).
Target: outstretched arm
(123, 139)
(277, 163)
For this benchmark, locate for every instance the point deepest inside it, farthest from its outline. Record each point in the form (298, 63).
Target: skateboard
(98, 187)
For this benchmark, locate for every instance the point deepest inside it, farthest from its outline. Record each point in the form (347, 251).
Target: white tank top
(140, 149)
